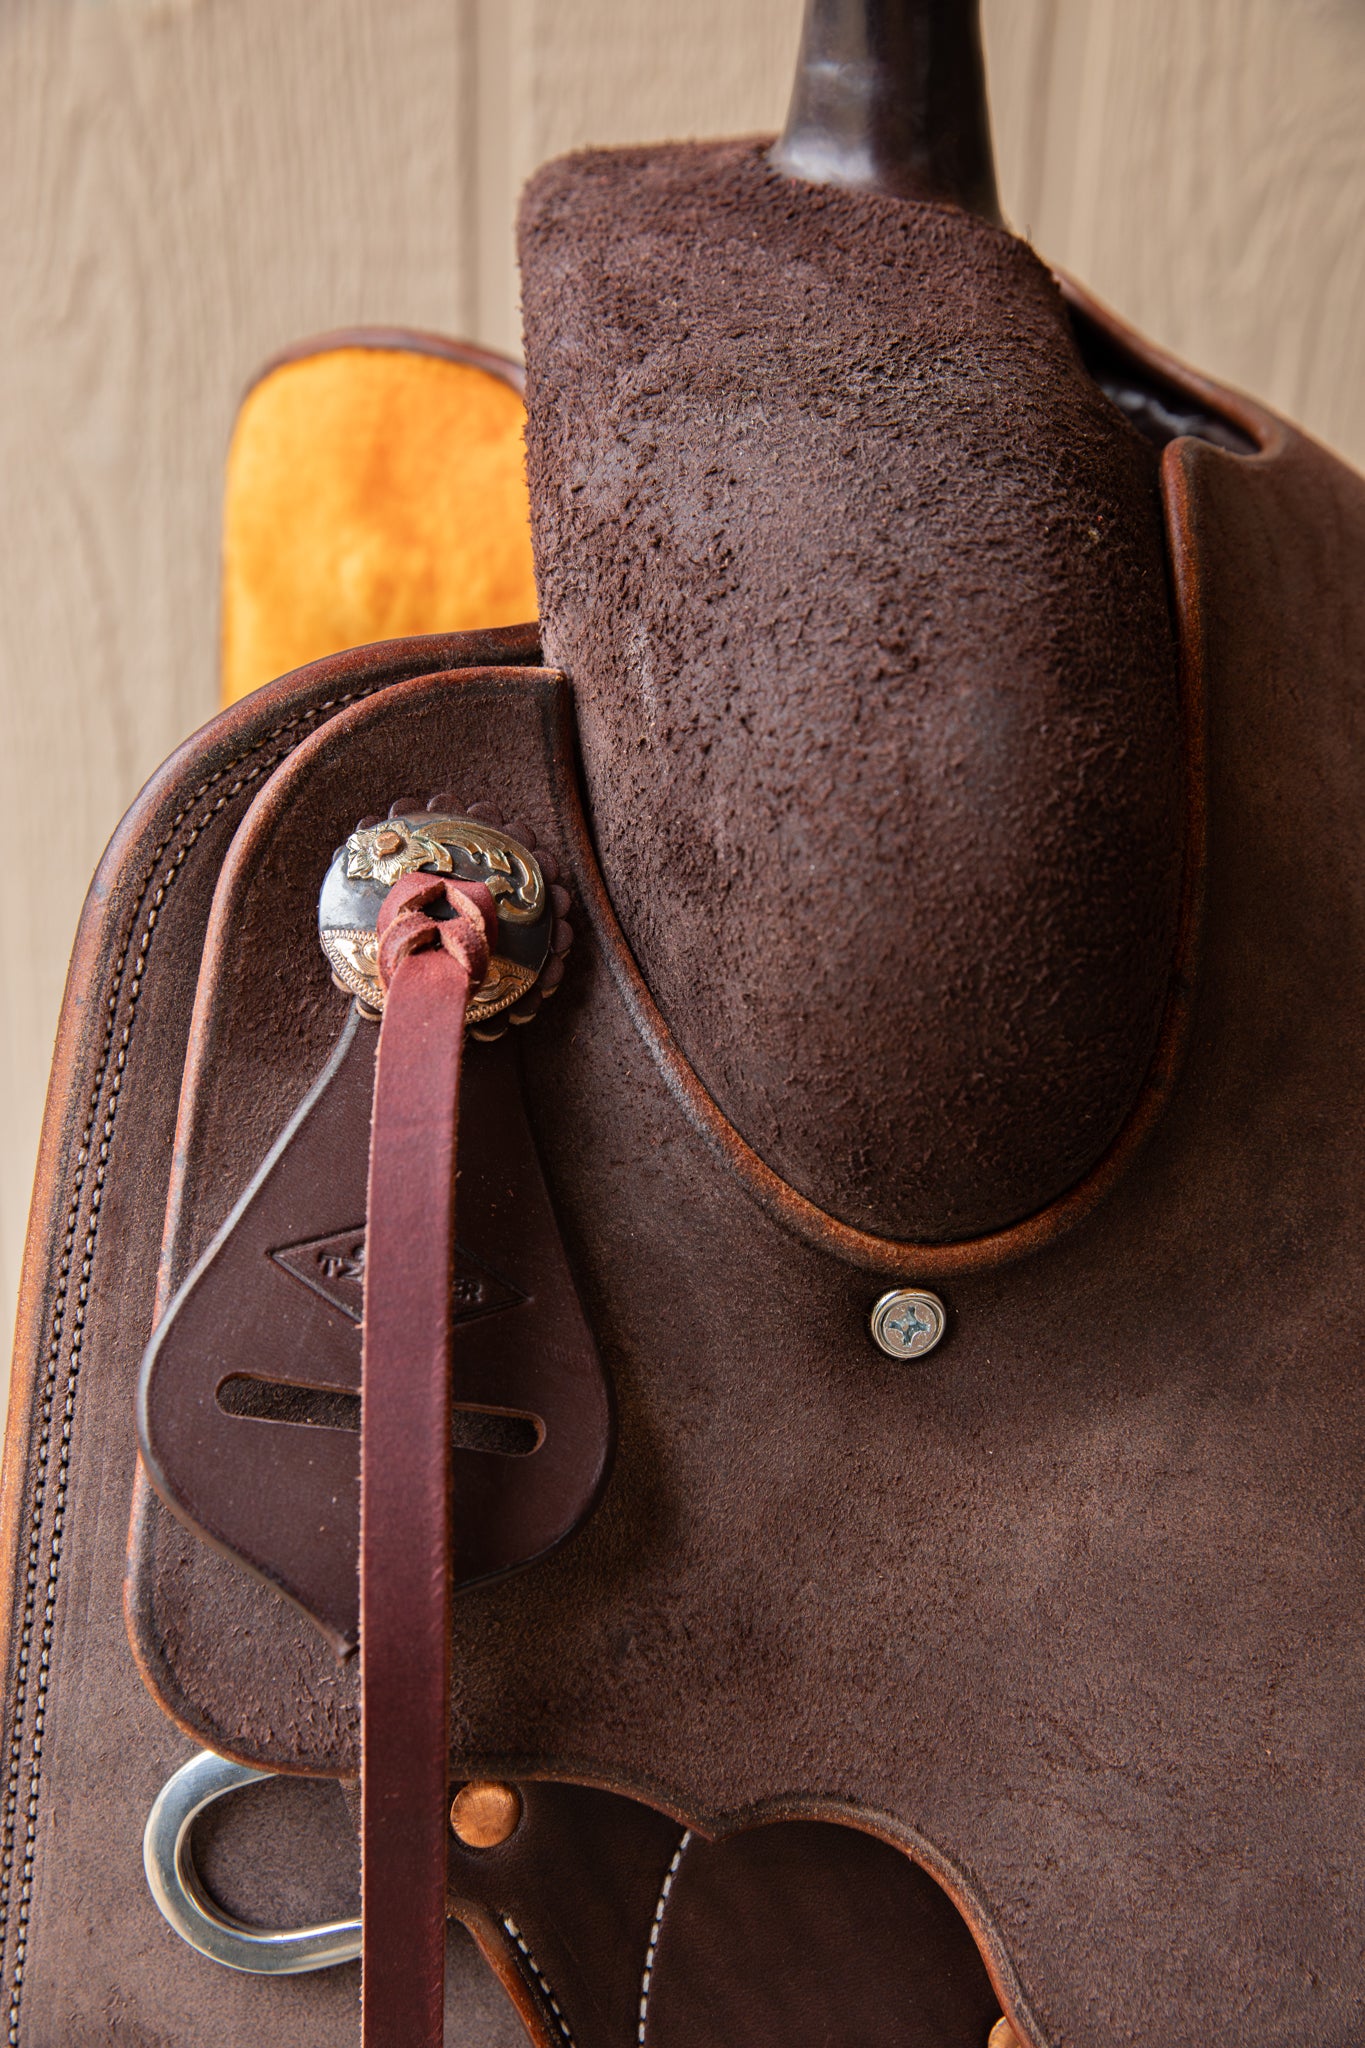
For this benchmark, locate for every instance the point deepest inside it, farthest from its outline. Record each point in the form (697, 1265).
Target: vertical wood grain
(560, 76)
(183, 189)
(185, 185)
(1200, 164)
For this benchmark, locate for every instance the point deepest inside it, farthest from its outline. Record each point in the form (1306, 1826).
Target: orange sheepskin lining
(371, 492)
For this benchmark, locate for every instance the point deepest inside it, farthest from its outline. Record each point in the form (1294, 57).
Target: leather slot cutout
(507, 1432)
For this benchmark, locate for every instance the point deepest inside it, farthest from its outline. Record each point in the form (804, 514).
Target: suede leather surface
(86, 1959)
(1070, 1610)
(861, 583)
(269, 1688)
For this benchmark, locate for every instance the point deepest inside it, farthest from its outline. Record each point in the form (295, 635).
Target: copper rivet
(908, 1322)
(388, 842)
(1002, 2035)
(483, 1815)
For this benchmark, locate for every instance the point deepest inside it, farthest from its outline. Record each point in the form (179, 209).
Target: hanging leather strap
(429, 969)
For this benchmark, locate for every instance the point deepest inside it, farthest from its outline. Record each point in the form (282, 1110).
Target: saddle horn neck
(890, 96)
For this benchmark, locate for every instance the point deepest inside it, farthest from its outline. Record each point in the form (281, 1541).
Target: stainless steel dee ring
(178, 1891)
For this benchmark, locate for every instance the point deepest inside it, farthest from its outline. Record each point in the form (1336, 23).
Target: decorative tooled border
(26, 1733)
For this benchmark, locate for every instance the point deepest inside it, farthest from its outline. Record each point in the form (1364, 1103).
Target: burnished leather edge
(1266, 431)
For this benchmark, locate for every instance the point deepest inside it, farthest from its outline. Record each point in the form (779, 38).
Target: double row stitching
(541, 1980)
(264, 761)
(652, 1950)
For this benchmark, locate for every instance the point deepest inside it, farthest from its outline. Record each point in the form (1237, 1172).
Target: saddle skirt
(1019, 1676)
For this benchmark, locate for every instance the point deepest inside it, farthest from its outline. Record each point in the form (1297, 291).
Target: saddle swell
(1100, 1382)
(865, 600)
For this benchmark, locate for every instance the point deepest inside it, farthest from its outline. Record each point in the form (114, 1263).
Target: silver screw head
(908, 1322)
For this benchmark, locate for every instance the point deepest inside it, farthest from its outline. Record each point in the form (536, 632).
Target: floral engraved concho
(450, 846)
(381, 853)
(470, 846)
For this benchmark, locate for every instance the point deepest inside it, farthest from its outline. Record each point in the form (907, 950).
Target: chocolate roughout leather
(497, 732)
(87, 1748)
(1069, 1611)
(862, 586)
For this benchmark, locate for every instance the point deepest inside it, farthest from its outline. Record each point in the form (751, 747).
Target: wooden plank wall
(185, 185)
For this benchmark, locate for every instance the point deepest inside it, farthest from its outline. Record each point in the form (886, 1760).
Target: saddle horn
(890, 96)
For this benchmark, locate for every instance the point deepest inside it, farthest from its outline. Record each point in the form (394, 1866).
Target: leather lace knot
(405, 924)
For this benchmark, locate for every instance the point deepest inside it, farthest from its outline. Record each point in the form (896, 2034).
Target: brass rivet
(484, 1815)
(908, 1322)
(1002, 2035)
(388, 842)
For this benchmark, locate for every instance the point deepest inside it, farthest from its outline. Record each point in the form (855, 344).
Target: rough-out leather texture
(494, 734)
(1070, 1610)
(901, 1966)
(87, 1961)
(862, 587)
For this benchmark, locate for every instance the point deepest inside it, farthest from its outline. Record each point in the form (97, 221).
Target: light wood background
(185, 185)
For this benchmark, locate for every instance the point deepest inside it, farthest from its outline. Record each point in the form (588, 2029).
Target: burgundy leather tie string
(429, 970)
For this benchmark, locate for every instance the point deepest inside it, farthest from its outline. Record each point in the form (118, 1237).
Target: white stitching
(542, 1980)
(654, 1934)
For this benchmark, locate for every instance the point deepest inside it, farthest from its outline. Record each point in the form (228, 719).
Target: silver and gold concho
(468, 849)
